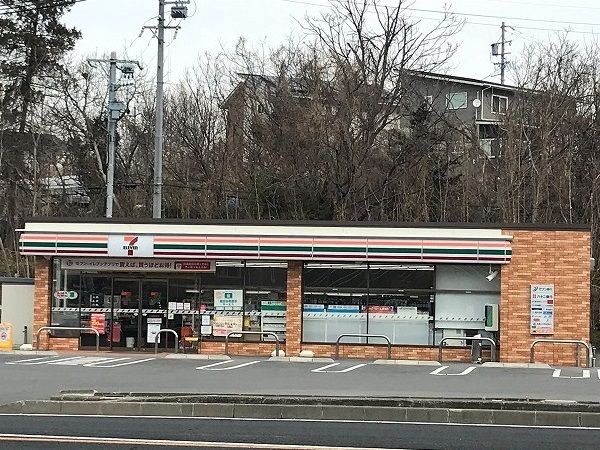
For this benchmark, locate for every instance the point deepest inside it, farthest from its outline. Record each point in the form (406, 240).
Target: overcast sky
(216, 24)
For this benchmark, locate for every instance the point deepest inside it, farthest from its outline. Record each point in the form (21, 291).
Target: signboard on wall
(6, 336)
(542, 309)
(131, 245)
(229, 299)
(224, 324)
(136, 265)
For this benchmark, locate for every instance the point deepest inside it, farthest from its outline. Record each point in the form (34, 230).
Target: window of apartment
(499, 104)
(428, 102)
(456, 100)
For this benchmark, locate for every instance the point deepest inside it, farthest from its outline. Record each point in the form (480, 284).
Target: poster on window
(224, 324)
(229, 300)
(154, 324)
(542, 309)
(98, 322)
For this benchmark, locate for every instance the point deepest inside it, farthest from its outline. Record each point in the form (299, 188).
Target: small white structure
(16, 307)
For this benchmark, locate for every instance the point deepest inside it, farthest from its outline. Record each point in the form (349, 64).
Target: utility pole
(158, 133)
(115, 109)
(178, 11)
(112, 127)
(501, 51)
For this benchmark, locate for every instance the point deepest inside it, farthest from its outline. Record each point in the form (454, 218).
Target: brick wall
(423, 353)
(41, 299)
(561, 258)
(239, 348)
(294, 309)
(42, 306)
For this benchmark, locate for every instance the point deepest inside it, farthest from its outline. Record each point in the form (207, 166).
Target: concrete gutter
(307, 412)
(465, 411)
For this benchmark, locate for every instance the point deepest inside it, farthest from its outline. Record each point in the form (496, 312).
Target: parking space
(83, 361)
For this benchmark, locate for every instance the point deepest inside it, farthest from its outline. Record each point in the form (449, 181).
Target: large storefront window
(394, 300)
(129, 307)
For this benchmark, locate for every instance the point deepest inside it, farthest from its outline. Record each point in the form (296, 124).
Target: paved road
(175, 432)
(39, 377)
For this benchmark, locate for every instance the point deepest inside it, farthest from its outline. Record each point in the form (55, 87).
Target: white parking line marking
(584, 374)
(81, 361)
(237, 366)
(23, 361)
(35, 362)
(108, 366)
(113, 360)
(324, 368)
(439, 371)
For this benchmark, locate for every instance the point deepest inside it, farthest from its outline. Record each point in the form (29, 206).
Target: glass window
(499, 104)
(401, 303)
(456, 100)
(335, 297)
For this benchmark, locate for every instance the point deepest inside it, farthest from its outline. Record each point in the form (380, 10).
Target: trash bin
(129, 342)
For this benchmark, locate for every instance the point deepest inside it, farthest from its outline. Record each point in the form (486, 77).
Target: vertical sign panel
(542, 309)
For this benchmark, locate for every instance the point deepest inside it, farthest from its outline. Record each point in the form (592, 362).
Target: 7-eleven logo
(130, 244)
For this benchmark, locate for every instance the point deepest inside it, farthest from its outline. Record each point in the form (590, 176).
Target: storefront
(309, 283)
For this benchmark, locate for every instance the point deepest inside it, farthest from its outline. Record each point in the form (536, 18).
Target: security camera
(492, 275)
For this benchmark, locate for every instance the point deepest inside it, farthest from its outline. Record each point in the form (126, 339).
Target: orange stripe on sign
(233, 240)
(352, 242)
(192, 239)
(409, 243)
(284, 241)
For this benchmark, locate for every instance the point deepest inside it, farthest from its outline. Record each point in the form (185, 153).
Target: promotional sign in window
(154, 324)
(222, 325)
(229, 300)
(542, 309)
(98, 322)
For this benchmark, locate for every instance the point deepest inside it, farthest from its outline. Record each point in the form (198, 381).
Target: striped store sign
(190, 247)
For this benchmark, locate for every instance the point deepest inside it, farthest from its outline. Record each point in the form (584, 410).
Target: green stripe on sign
(450, 251)
(411, 250)
(65, 244)
(286, 248)
(179, 247)
(341, 249)
(232, 247)
(493, 252)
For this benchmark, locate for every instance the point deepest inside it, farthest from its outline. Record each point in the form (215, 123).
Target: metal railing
(261, 333)
(359, 335)
(93, 330)
(564, 341)
(459, 338)
(165, 330)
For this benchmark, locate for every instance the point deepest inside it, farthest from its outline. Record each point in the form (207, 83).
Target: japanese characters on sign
(229, 300)
(542, 309)
(137, 265)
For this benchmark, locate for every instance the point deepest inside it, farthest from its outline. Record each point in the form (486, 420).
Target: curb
(307, 412)
(406, 362)
(300, 359)
(517, 365)
(196, 356)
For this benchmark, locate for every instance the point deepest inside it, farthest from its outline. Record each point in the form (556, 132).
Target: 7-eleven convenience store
(309, 283)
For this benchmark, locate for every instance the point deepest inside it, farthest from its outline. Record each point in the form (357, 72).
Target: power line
(467, 22)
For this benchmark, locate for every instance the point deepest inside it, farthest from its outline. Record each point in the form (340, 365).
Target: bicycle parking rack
(165, 330)
(93, 330)
(564, 341)
(458, 338)
(260, 333)
(359, 335)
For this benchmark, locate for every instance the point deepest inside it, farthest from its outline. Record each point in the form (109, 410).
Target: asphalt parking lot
(30, 377)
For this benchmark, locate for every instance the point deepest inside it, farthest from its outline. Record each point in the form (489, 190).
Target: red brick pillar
(42, 301)
(294, 309)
